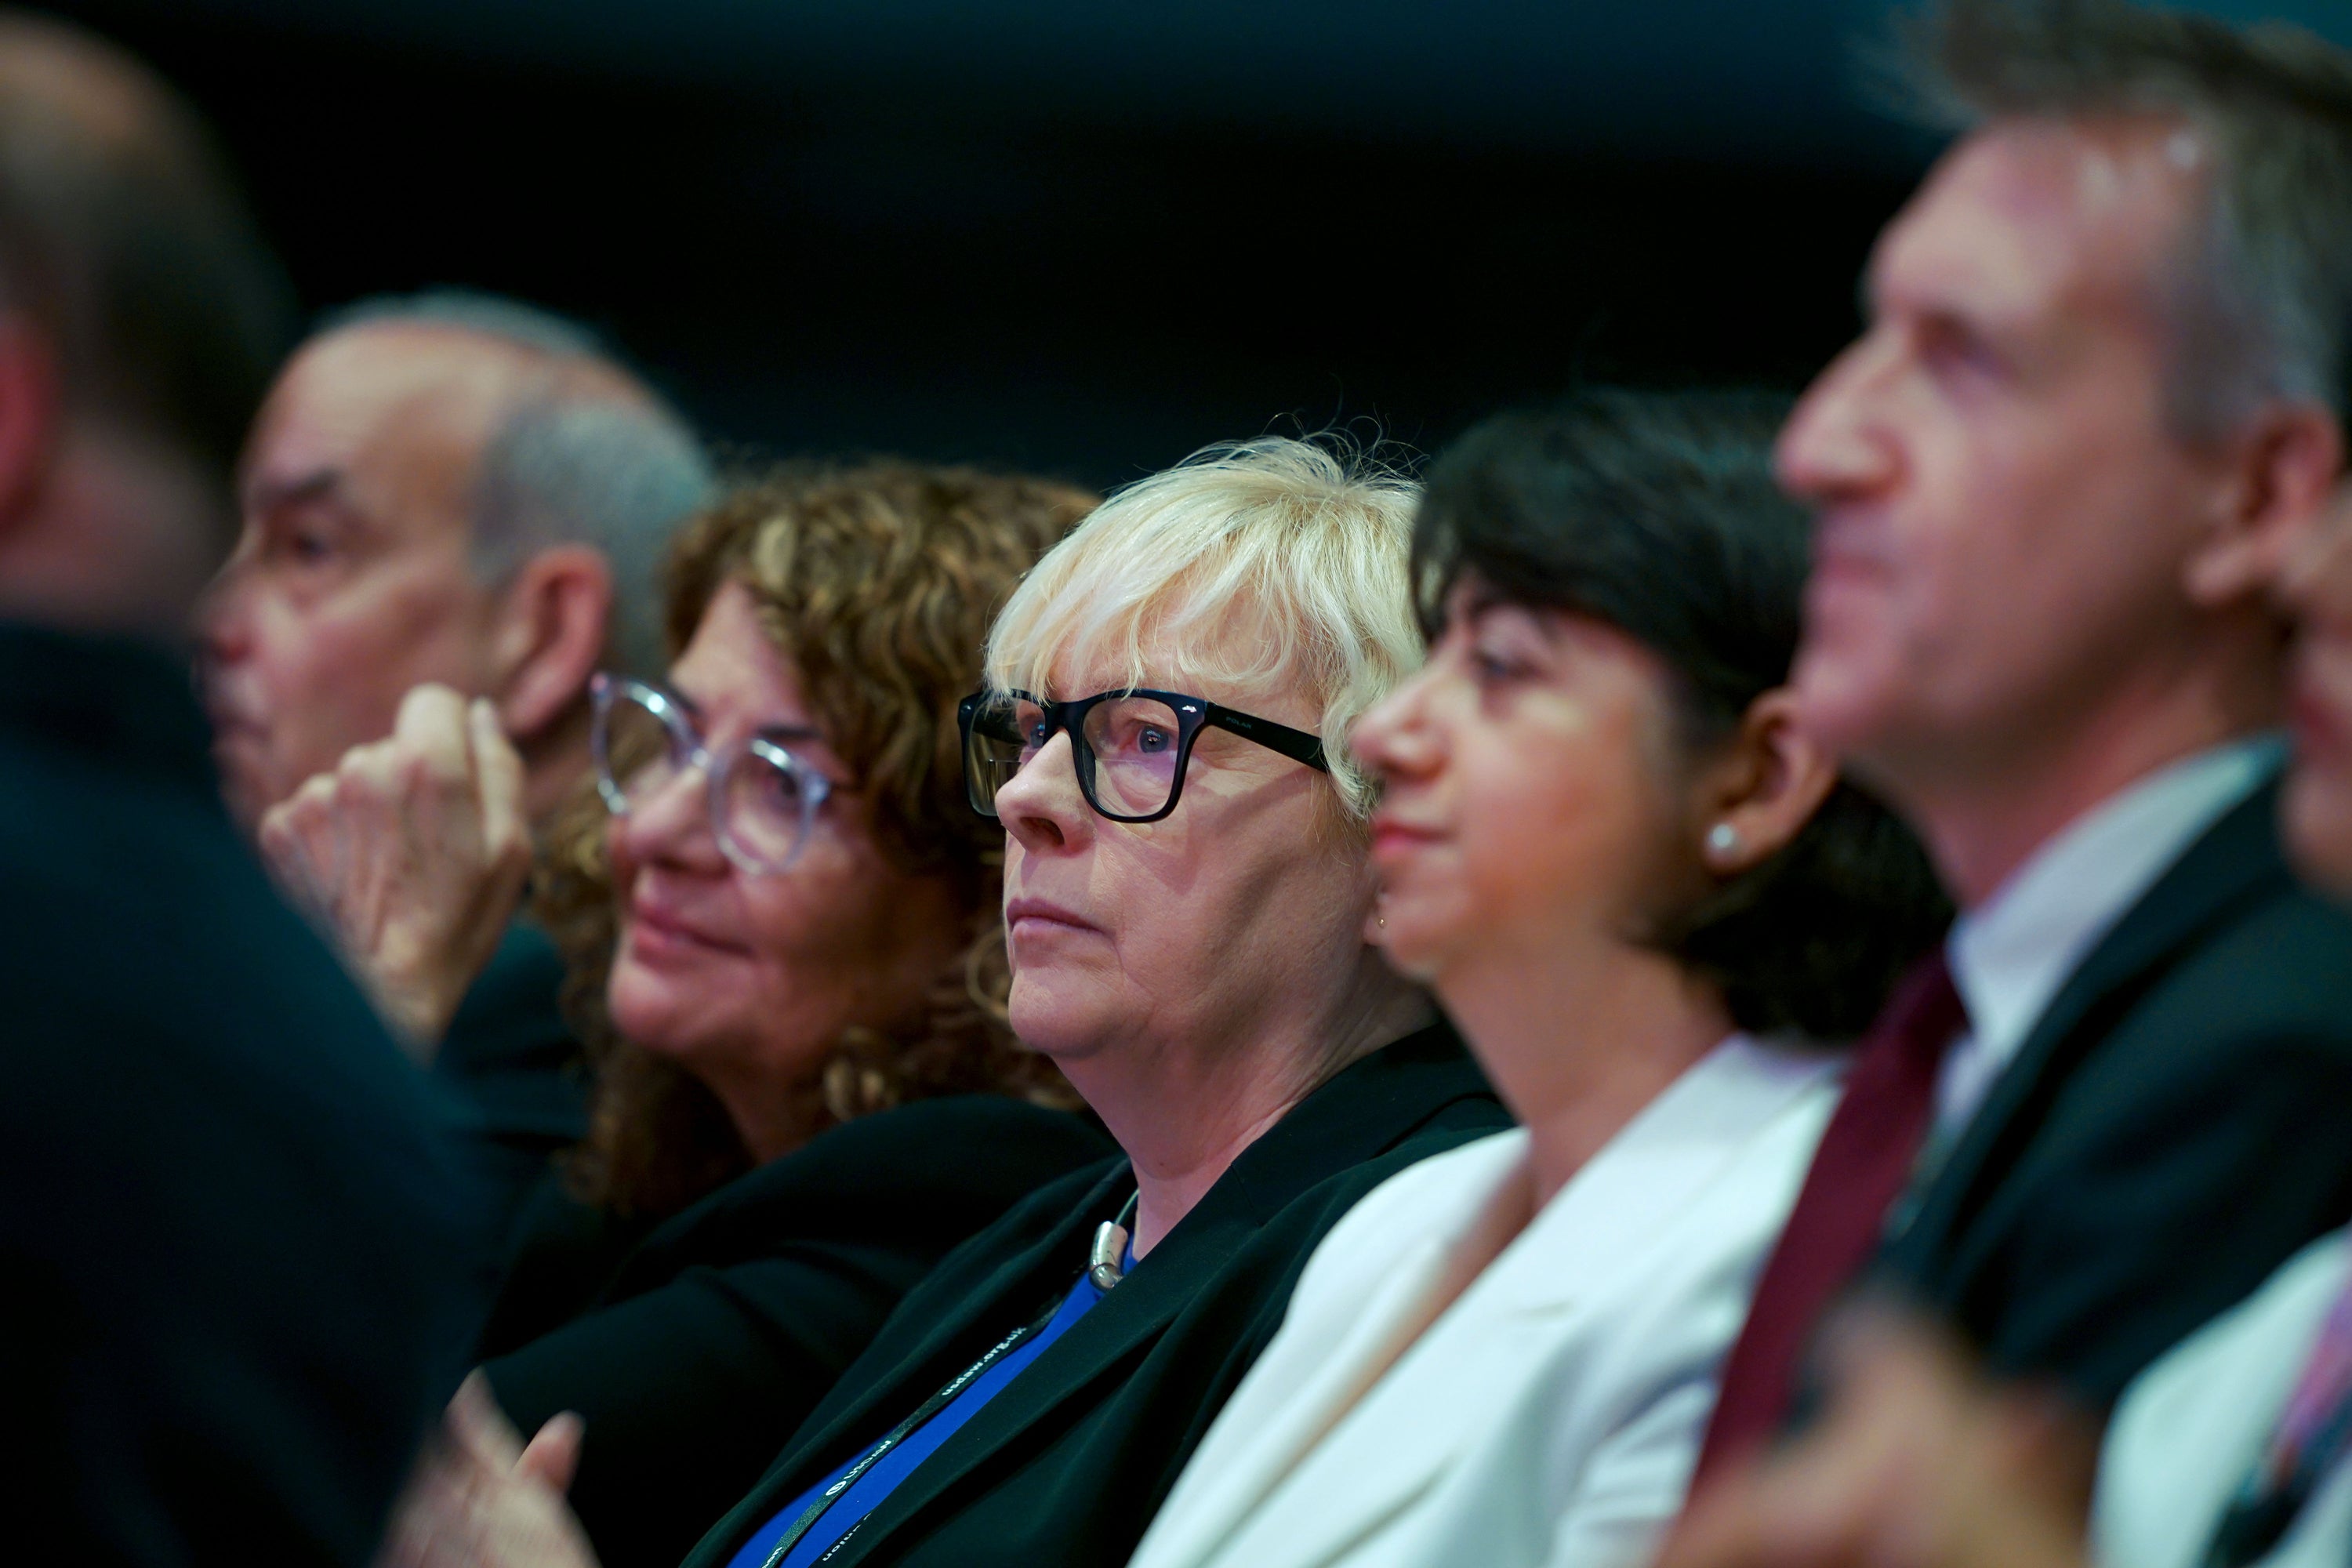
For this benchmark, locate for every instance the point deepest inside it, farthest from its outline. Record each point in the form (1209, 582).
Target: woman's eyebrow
(1470, 595)
(1476, 604)
(790, 733)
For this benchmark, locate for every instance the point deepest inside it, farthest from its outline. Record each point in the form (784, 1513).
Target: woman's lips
(1035, 917)
(656, 934)
(1393, 840)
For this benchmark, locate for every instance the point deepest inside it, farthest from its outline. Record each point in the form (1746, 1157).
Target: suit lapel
(1355, 1116)
(1009, 1295)
(1380, 1328)
(2234, 861)
(1341, 1484)
(1121, 1327)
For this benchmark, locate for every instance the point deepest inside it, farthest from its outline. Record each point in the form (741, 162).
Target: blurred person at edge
(2230, 1450)
(787, 977)
(1650, 905)
(240, 1262)
(457, 489)
(2097, 393)
(1190, 899)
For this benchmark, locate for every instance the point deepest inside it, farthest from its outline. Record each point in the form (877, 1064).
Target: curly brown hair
(877, 581)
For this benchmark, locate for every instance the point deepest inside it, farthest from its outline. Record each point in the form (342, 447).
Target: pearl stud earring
(1723, 839)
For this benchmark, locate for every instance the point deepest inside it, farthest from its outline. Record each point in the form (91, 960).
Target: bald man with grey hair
(463, 491)
(579, 468)
(450, 488)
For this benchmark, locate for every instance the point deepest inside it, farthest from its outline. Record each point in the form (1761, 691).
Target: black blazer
(240, 1262)
(729, 1322)
(515, 1075)
(1069, 1464)
(561, 1256)
(2173, 1128)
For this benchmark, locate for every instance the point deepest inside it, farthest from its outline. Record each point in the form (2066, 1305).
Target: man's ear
(1770, 780)
(550, 636)
(2284, 469)
(30, 408)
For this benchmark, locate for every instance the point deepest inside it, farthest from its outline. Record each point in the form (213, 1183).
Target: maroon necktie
(1865, 1158)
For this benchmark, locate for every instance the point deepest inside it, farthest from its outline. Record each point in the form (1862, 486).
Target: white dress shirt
(2191, 1426)
(1551, 1413)
(2010, 953)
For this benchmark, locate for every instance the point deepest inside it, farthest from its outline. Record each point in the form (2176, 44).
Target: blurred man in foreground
(2099, 391)
(466, 491)
(235, 1252)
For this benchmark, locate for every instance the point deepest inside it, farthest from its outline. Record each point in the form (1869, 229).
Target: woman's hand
(479, 1498)
(414, 852)
(1917, 1464)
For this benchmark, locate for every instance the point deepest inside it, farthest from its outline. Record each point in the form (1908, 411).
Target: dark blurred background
(1083, 236)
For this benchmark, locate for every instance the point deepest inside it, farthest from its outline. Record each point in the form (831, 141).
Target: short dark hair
(1656, 513)
(124, 240)
(2261, 302)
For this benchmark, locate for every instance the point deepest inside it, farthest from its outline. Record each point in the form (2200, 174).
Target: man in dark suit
(235, 1249)
(464, 491)
(2099, 392)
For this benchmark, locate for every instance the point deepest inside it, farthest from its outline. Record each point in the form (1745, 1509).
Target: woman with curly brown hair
(779, 915)
(755, 949)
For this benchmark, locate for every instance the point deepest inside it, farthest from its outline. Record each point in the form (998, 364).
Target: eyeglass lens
(765, 804)
(1134, 741)
(765, 797)
(641, 753)
(1126, 765)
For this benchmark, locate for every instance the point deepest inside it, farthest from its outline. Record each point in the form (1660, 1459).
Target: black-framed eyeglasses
(1129, 748)
(764, 799)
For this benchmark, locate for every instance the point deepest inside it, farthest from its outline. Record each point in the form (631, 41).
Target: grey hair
(617, 476)
(2261, 299)
(571, 466)
(472, 311)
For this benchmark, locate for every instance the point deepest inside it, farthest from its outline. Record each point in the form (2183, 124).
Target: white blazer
(1552, 1413)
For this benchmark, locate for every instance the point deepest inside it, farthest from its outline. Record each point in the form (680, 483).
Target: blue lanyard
(1109, 1261)
(897, 1435)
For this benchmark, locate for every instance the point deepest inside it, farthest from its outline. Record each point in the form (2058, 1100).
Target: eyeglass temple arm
(1297, 744)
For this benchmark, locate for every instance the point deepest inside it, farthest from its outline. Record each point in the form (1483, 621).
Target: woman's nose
(670, 822)
(1041, 806)
(1393, 736)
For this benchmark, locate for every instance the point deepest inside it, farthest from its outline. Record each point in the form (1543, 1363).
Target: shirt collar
(2010, 954)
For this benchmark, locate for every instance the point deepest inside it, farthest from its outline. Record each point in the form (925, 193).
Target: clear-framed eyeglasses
(763, 799)
(1131, 748)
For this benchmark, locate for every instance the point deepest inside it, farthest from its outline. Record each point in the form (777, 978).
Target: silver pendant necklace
(1106, 1262)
